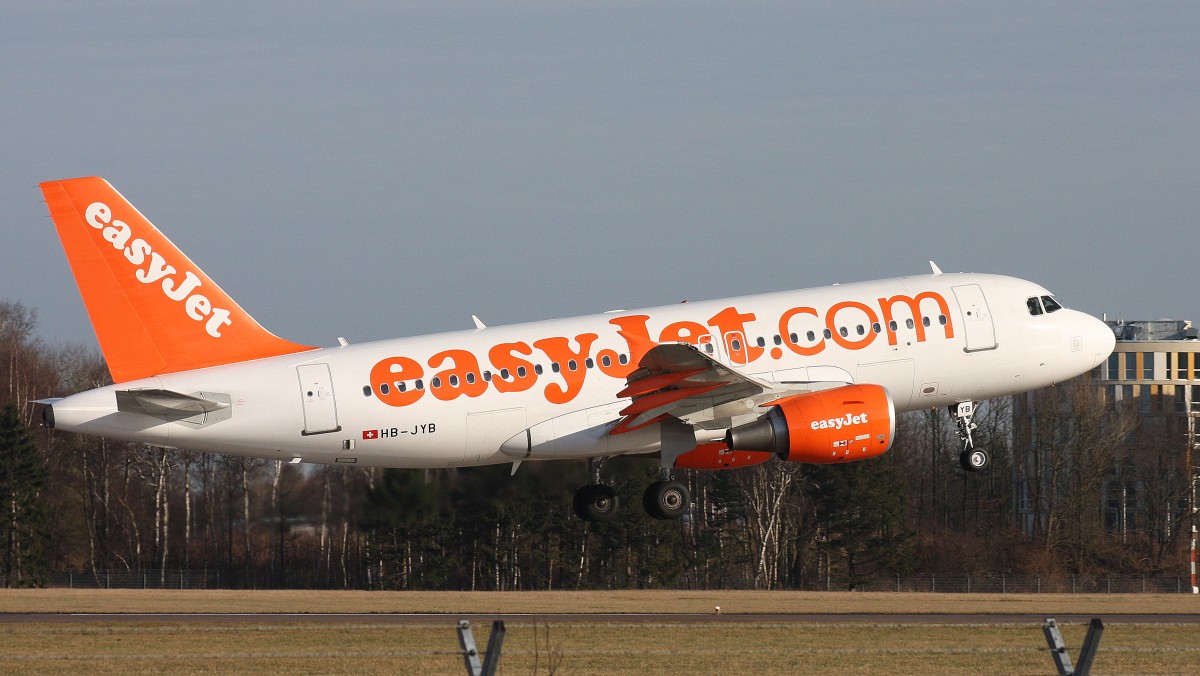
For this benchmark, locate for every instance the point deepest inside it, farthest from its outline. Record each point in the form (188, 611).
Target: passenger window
(419, 384)
(893, 326)
(843, 332)
(504, 374)
(453, 381)
(537, 368)
(572, 366)
(796, 339)
(1035, 307)
(521, 371)
(828, 333)
(435, 383)
(778, 339)
(623, 358)
(487, 376)
(761, 342)
(942, 320)
(925, 322)
(470, 378)
(555, 367)
(735, 345)
(877, 328)
(384, 389)
(910, 324)
(606, 361)
(1051, 304)
(590, 363)
(862, 330)
(812, 337)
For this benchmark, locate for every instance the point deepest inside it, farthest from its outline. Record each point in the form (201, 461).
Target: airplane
(810, 376)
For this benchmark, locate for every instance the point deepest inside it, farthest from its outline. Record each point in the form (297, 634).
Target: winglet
(936, 270)
(153, 310)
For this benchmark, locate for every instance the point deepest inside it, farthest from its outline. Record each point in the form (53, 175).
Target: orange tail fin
(153, 310)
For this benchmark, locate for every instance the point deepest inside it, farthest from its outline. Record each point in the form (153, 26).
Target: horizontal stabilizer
(166, 404)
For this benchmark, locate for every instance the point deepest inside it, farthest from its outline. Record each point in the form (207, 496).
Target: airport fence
(948, 584)
(144, 579)
(1035, 584)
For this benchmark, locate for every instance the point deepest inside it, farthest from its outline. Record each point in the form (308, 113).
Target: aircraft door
(977, 319)
(316, 394)
(736, 348)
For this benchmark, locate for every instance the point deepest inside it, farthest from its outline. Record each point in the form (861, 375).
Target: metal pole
(491, 662)
(466, 639)
(1195, 589)
(1189, 411)
(1091, 644)
(1058, 649)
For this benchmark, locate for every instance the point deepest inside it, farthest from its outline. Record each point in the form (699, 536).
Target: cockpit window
(1045, 304)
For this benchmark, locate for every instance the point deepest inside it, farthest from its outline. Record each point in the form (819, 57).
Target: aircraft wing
(679, 380)
(676, 380)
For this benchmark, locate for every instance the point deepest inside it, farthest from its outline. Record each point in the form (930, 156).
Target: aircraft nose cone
(1101, 338)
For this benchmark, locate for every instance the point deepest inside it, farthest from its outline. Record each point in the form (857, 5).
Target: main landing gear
(596, 502)
(971, 458)
(664, 499)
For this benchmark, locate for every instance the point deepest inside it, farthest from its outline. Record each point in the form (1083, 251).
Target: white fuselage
(971, 337)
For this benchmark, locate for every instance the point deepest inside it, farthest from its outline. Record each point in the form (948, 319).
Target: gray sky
(378, 169)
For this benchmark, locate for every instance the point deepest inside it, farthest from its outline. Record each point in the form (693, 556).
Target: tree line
(1045, 506)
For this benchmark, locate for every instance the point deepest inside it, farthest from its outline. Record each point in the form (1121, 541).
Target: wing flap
(675, 379)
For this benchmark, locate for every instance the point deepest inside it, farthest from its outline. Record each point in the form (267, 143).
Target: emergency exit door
(316, 393)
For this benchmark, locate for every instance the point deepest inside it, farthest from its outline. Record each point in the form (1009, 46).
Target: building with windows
(1148, 394)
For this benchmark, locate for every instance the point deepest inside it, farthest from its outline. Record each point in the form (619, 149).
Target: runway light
(296, 461)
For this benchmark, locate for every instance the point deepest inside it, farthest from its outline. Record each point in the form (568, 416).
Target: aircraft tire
(596, 503)
(665, 500)
(975, 459)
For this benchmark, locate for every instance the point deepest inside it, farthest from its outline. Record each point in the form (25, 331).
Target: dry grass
(302, 647)
(585, 648)
(223, 601)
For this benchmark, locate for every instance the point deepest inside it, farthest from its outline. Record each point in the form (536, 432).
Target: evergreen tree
(24, 525)
(859, 517)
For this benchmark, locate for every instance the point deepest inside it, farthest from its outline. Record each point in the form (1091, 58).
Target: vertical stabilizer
(153, 310)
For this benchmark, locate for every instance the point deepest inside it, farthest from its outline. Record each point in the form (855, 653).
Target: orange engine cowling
(718, 456)
(838, 425)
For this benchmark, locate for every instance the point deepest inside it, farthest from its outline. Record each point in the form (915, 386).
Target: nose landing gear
(971, 458)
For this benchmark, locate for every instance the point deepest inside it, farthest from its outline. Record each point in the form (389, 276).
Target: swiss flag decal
(370, 434)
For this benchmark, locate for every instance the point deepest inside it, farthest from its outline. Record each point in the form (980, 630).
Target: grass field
(580, 646)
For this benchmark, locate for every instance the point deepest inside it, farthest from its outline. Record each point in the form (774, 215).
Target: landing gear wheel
(974, 459)
(666, 500)
(596, 503)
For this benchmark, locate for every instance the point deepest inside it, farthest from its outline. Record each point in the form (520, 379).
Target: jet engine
(837, 425)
